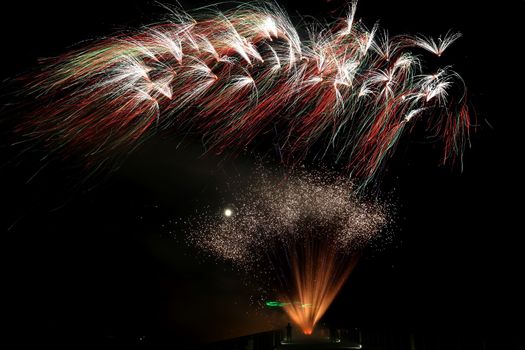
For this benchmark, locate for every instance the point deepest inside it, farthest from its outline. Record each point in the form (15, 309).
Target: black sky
(102, 260)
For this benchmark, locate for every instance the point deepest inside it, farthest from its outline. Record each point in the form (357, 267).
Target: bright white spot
(228, 212)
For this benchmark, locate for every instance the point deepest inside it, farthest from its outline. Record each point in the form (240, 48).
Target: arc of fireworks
(231, 75)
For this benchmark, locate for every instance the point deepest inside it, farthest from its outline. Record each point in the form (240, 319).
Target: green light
(274, 303)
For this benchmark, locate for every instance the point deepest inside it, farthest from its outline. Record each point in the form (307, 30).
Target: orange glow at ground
(318, 274)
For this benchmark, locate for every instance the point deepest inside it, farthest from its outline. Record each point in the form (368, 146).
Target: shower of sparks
(305, 232)
(235, 75)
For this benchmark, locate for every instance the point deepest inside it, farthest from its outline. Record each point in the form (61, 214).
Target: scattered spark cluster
(307, 231)
(313, 205)
(232, 76)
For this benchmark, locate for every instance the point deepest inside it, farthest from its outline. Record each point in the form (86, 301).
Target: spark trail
(304, 234)
(232, 76)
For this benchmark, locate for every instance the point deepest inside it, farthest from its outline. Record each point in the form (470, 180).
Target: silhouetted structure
(288, 332)
(379, 339)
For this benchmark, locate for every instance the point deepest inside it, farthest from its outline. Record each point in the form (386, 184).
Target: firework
(232, 76)
(303, 236)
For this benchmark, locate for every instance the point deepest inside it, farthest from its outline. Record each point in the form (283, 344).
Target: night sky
(101, 257)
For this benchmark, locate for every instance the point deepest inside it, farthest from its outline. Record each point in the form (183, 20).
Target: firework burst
(305, 234)
(232, 76)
